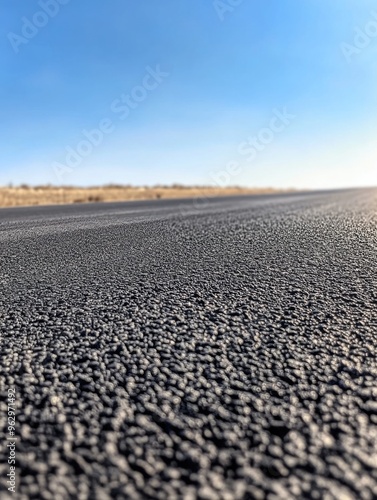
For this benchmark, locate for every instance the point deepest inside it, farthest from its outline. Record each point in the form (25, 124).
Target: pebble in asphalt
(229, 353)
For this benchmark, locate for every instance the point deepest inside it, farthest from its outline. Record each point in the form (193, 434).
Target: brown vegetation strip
(50, 195)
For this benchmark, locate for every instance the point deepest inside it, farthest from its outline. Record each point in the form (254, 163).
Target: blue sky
(227, 70)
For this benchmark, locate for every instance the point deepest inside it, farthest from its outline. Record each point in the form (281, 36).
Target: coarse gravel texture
(216, 349)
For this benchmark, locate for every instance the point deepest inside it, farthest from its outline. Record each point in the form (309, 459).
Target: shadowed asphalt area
(218, 349)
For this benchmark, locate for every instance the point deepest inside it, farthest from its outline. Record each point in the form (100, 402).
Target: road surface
(215, 349)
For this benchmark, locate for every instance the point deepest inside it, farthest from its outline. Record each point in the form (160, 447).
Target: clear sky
(279, 92)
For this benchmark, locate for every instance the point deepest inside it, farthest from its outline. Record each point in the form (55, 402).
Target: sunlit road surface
(215, 349)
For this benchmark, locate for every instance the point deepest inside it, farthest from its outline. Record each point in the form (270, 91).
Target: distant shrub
(116, 186)
(44, 187)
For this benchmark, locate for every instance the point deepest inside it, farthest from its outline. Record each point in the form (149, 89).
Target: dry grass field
(52, 195)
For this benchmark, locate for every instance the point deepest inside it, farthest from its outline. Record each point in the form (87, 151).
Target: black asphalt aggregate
(212, 349)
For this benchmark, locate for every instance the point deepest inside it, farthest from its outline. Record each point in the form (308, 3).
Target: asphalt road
(175, 349)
